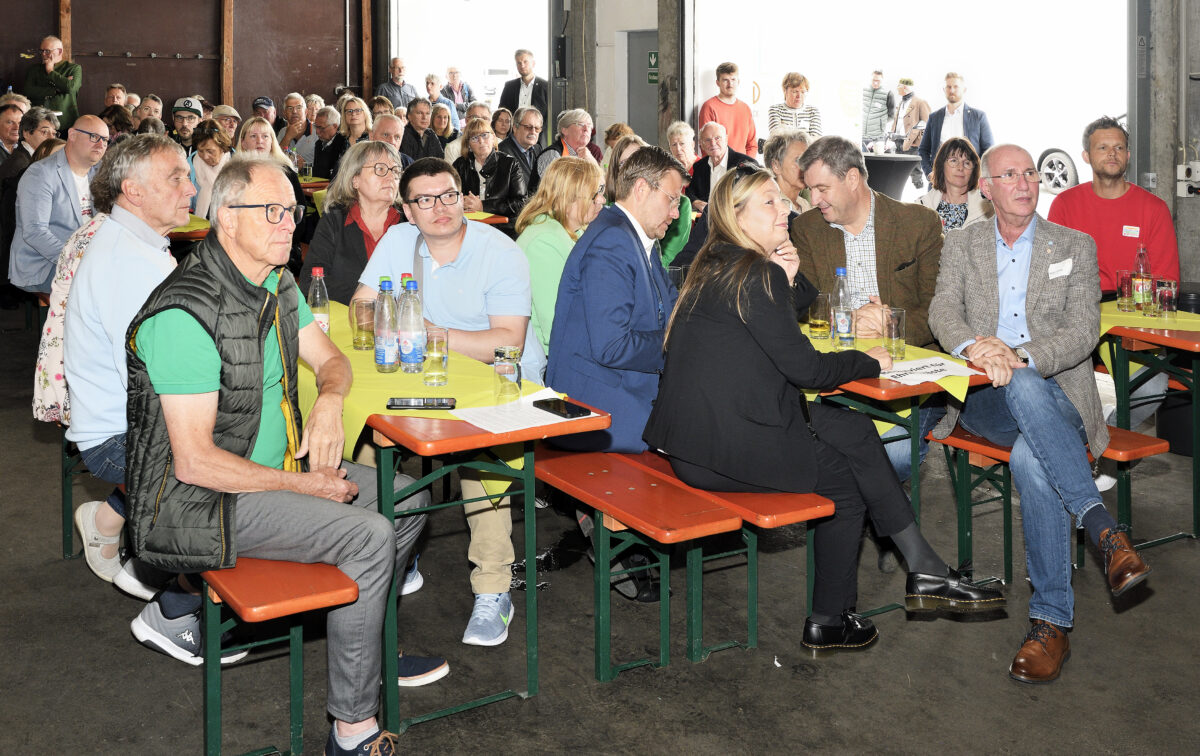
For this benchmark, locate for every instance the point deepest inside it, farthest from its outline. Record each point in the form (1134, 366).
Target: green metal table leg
(914, 470)
(1120, 365)
(695, 604)
(601, 584)
(385, 471)
(296, 678)
(68, 515)
(1006, 506)
(531, 576)
(211, 617)
(664, 604)
(962, 500)
(1195, 387)
(810, 570)
(750, 538)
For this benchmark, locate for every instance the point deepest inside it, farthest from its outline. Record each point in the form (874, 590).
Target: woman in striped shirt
(792, 113)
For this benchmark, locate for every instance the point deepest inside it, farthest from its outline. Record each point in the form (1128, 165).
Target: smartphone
(421, 403)
(562, 408)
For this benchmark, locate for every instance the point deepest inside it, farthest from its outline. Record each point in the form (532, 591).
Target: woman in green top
(54, 82)
(680, 228)
(568, 198)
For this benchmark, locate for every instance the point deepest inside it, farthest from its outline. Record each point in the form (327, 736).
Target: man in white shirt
(527, 90)
(956, 119)
(718, 158)
(299, 134)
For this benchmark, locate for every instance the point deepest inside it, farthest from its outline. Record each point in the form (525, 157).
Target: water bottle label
(385, 351)
(322, 319)
(842, 323)
(412, 347)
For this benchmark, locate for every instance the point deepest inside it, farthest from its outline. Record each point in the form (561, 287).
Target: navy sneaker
(421, 670)
(378, 743)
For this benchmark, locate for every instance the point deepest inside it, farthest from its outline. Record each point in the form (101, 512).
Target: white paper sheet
(928, 369)
(514, 416)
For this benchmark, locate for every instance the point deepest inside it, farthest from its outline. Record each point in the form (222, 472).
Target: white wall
(614, 20)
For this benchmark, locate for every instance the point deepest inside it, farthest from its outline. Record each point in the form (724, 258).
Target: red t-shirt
(737, 120)
(355, 216)
(1119, 226)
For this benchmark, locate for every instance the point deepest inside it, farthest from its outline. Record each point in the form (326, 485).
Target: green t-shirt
(181, 358)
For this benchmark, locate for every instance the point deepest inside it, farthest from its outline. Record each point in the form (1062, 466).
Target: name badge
(1133, 231)
(1060, 269)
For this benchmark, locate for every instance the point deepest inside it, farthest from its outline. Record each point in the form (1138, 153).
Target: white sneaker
(413, 579)
(1104, 482)
(105, 568)
(179, 638)
(489, 620)
(140, 580)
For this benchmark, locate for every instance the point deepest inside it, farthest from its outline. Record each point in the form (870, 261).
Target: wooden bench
(966, 451)
(257, 590)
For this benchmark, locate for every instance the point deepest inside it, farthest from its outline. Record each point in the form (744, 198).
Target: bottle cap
(385, 284)
(318, 271)
(839, 271)
(410, 284)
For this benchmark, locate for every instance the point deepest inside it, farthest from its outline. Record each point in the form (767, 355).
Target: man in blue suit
(53, 199)
(614, 301)
(956, 119)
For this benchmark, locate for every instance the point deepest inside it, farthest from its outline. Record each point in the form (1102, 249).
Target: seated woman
(492, 181)
(441, 125)
(381, 105)
(682, 141)
(568, 198)
(782, 155)
(749, 427)
(955, 194)
(213, 149)
(257, 139)
(363, 202)
(356, 120)
(501, 124)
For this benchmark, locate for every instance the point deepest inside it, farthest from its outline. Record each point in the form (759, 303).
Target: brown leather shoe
(1042, 655)
(1124, 567)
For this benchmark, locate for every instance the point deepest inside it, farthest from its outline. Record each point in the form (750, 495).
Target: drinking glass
(1166, 293)
(678, 274)
(818, 317)
(1125, 290)
(362, 323)
(437, 355)
(893, 333)
(506, 367)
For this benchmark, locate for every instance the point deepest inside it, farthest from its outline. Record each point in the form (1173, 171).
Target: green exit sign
(652, 67)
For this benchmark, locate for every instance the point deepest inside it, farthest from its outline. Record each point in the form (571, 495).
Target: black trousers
(853, 472)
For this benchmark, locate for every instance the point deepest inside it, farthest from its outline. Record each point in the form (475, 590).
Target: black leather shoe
(642, 586)
(953, 591)
(854, 634)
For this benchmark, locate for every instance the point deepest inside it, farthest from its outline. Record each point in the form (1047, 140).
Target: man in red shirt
(727, 110)
(1118, 215)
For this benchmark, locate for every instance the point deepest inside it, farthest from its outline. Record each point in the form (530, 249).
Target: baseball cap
(264, 102)
(225, 110)
(188, 105)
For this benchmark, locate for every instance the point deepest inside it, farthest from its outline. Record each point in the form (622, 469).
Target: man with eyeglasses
(36, 126)
(388, 128)
(220, 465)
(54, 82)
(330, 145)
(1020, 298)
(298, 135)
(54, 198)
(719, 158)
(889, 249)
(400, 92)
(474, 281)
(186, 115)
(419, 140)
(522, 143)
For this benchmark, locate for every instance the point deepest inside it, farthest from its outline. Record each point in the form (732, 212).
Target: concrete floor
(74, 680)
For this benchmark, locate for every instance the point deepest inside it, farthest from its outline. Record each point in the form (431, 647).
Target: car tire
(1058, 171)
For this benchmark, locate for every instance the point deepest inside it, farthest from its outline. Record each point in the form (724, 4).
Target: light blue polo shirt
(489, 277)
(123, 263)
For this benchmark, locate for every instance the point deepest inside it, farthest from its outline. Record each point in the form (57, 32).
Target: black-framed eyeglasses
(482, 136)
(599, 195)
(275, 212)
(51, 52)
(425, 201)
(382, 169)
(353, 111)
(1010, 177)
(93, 137)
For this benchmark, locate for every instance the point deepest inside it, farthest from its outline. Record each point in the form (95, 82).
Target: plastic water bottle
(411, 329)
(387, 353)
(1141, 277)
(843, 312)
(318, 298)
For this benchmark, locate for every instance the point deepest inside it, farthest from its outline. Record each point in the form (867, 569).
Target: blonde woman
(492, 181)
(356, 120)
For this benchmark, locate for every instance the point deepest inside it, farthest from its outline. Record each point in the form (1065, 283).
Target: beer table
(194, 230)
(508, 455)
(1126, 337)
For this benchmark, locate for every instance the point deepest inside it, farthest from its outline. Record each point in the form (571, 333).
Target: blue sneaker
(413, 580)
(421, 670)
(489, 620)
(378, 743)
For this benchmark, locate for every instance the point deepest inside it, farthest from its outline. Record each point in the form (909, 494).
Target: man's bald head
(87, 141)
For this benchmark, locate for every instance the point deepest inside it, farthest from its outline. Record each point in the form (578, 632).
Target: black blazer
(730, 398)
(529, 170)
(505, 185)
(702, 175)
(510, 96)
(417, 146)
(325, 158)
(10, 176)
(341, 250)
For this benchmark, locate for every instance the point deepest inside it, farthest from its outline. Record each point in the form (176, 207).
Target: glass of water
(1166, 293)
(893, 332)
(506, 367)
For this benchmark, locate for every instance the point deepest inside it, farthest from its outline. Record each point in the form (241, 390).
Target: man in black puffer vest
(218, 463)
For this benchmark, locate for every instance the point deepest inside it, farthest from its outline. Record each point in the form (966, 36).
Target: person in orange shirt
(727, 110)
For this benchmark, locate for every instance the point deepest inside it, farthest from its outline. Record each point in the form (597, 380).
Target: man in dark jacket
(527, 90)
(718, 159)
(522, 144)
(419, 140)
(206, 384)
(330, 144)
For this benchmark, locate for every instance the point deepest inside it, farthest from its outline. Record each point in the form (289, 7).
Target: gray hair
(838, 154)
(293, 96)
(401, 111)
(716, 125)
(569, 118)
(1103, 122)
(33, 119)
(985, 158)
(231, 183)
(478, 104)
(780, 142)
(152, 98)
(331, 115)
(381, 119)
(650, 164)
(527, 109)
(314, 99)
(341, 191)
(680, 128)
(433, 79)
(127, 159)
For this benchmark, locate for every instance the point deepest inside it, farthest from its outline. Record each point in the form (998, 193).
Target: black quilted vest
(176, 526)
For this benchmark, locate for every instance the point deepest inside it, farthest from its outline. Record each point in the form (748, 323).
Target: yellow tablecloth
(312, 180)
(195, 223)
(1111, 317)
(318, 199)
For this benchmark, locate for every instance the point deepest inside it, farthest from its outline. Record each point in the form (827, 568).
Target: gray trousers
(293, 527)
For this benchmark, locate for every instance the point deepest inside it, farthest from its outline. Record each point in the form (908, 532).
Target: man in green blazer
(55, 81)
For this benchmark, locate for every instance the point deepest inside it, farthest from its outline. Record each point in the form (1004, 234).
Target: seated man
(474, 281)
(330, 145)
(718, 159)
(38, 125)
(523, 144)
(890, 252)
(53, 199)
(139, 185)
(388, 128)
(1043, 399)
(299, 134)
(218, 467)
(419, 140)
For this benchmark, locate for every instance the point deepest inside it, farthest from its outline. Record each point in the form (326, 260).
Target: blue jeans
(106, 461)
(899, 451)
(1051, 472)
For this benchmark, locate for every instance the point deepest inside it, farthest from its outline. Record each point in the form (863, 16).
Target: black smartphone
(421, 402)
(562, 408)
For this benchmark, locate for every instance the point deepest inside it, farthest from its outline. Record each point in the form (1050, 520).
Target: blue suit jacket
(47, 214)
(975, 128)
(606, 344)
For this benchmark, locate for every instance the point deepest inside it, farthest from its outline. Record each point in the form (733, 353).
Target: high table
(461, 445)
(887, 173)
(1126, 336)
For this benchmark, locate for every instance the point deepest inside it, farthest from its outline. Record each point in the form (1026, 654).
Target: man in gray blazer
(53, 199)
(1020, 298)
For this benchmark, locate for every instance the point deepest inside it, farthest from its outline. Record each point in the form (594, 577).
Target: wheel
(1058, 171)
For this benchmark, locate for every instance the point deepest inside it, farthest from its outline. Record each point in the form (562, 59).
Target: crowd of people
(197, 425)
